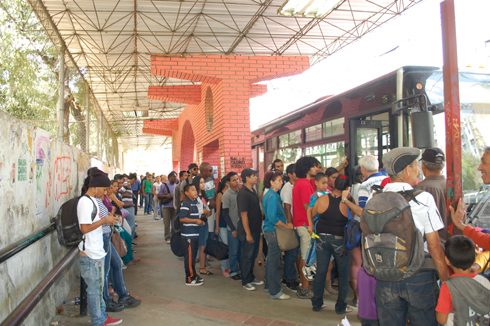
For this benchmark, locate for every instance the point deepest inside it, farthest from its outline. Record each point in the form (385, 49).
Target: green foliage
(28, 77)
(470, 176)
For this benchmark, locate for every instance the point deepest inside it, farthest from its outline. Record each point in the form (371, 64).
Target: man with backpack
(391, 228)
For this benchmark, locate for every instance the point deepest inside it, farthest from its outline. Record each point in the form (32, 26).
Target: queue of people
(314, 205)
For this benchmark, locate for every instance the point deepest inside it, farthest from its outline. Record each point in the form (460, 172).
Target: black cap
(99, 178)
(399, 158)
(434, 155)
(248, 172)
(192, 165)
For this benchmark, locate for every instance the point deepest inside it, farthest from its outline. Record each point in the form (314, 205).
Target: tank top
(332, 221)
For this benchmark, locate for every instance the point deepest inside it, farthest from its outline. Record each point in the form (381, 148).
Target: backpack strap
(411, 194)
(377, 189)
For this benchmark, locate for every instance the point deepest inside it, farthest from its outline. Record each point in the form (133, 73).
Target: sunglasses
(194, 168)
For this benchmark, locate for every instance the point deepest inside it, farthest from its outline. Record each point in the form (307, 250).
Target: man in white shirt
(415, 297)
(91, 258)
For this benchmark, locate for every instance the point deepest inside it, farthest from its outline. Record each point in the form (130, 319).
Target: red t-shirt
(302, 192)
(385, 181)
(445, 304)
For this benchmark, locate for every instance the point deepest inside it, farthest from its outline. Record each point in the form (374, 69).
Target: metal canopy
(111, 42)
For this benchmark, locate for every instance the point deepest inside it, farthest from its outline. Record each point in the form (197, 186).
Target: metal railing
(21, 312)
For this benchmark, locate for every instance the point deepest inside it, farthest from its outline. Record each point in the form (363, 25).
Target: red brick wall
(168, 124)
(230, 80)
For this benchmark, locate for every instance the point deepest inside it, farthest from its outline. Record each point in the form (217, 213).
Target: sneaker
(156, 218)
(135, 244)
(292, 285)
(284, 297)
(168, 241)
(249, 287)
(309, 272)
(194, 283)
(129, 302)
(304, 293)
(123, 266)
(226, 273)
(257, 282)
(199, 279)
(112, 321)
(236, 277)
(113, 306)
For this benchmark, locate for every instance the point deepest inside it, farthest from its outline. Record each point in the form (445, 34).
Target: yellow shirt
(481, 260)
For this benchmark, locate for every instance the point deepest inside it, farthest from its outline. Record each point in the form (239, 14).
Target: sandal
(132, 263)
(348, 309)
(206, 272)
(136, 260)
(321, 308)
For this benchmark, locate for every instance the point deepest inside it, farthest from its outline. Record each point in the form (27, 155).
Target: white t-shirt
(94, 243)
(156, 187)
(425, 215)
(287, 195)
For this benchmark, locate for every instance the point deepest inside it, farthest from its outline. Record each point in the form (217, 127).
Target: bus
(401, 108)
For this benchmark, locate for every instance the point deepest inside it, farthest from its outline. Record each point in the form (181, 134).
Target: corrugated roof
(111, 42)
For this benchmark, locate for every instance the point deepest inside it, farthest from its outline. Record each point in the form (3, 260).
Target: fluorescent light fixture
(135, 114)
(308, 8)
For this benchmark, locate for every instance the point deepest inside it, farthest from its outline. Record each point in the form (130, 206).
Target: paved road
(159, 282)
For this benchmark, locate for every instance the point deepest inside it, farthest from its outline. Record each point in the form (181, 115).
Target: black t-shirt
(248, 201)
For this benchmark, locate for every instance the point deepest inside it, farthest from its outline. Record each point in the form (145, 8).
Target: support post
(399, 96)
(451, 107)
(99, 136)
(87, 124)
(61, 95)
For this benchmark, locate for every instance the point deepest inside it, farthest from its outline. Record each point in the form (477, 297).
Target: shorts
(304, 240)
(203, 234)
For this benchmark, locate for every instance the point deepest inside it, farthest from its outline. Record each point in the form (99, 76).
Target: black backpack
(176, 231)
(392, 246)
(69, 233)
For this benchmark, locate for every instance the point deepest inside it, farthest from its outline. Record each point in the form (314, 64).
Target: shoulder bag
(119, 243)
(286, 238)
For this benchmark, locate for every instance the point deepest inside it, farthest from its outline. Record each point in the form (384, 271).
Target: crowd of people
(310, 206)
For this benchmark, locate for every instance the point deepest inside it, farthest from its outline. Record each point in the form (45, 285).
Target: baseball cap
(433, 155)
(248, 172)
(399, 158)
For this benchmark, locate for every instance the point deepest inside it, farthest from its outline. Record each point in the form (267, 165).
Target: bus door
(369, 135)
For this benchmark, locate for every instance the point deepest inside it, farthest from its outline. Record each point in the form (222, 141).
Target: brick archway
(187, 146)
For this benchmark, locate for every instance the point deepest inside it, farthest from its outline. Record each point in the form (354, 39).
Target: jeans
(167, 214)
(131, 220)
(290, 257)
(272, 279)
(92, 271)
(112, 262)
(326, 246)
(249, 254)
(135, 201)
(141, 200)
(151, 203)
(147, 203)
(415, 298)
(369, 322)
(225, 263)
(234, 251)
(156, 206)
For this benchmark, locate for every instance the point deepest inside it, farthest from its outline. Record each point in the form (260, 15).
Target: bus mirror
(414, 102)
(422, 129)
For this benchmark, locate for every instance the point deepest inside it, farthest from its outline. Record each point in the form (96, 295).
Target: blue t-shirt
(189, 230)
(136, 186)
(273, 210)
(317, 194)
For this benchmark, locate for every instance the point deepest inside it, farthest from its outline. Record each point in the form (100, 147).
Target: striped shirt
(127, 195)
(189, 230)
(103, 213)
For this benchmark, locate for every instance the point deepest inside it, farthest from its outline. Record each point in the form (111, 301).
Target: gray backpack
(392, 246)
(470, 298)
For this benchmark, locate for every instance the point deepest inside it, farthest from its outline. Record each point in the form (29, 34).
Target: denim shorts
(203, 234)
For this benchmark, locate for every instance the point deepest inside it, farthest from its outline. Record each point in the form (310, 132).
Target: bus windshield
(475, 121)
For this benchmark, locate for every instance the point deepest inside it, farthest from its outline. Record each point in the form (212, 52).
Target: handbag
(216, 248)
(119, 243)
(286, 238)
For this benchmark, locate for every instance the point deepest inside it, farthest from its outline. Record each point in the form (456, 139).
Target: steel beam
(60, 107)
(87, 125)
(451, 107)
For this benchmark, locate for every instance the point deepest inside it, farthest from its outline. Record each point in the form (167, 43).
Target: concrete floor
(158, 281)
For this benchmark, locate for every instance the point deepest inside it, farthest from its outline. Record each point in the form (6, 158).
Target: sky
(416, 38)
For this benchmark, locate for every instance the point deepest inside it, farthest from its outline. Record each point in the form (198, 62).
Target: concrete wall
(38, 174)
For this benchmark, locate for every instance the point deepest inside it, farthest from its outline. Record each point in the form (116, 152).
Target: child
(321, 183)
(464, 297)
(366, 286)
(189, 217)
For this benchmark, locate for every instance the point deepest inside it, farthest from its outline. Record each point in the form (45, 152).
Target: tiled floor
(158, 281)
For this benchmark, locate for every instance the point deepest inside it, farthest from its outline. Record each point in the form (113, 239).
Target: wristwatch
(344, 200)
